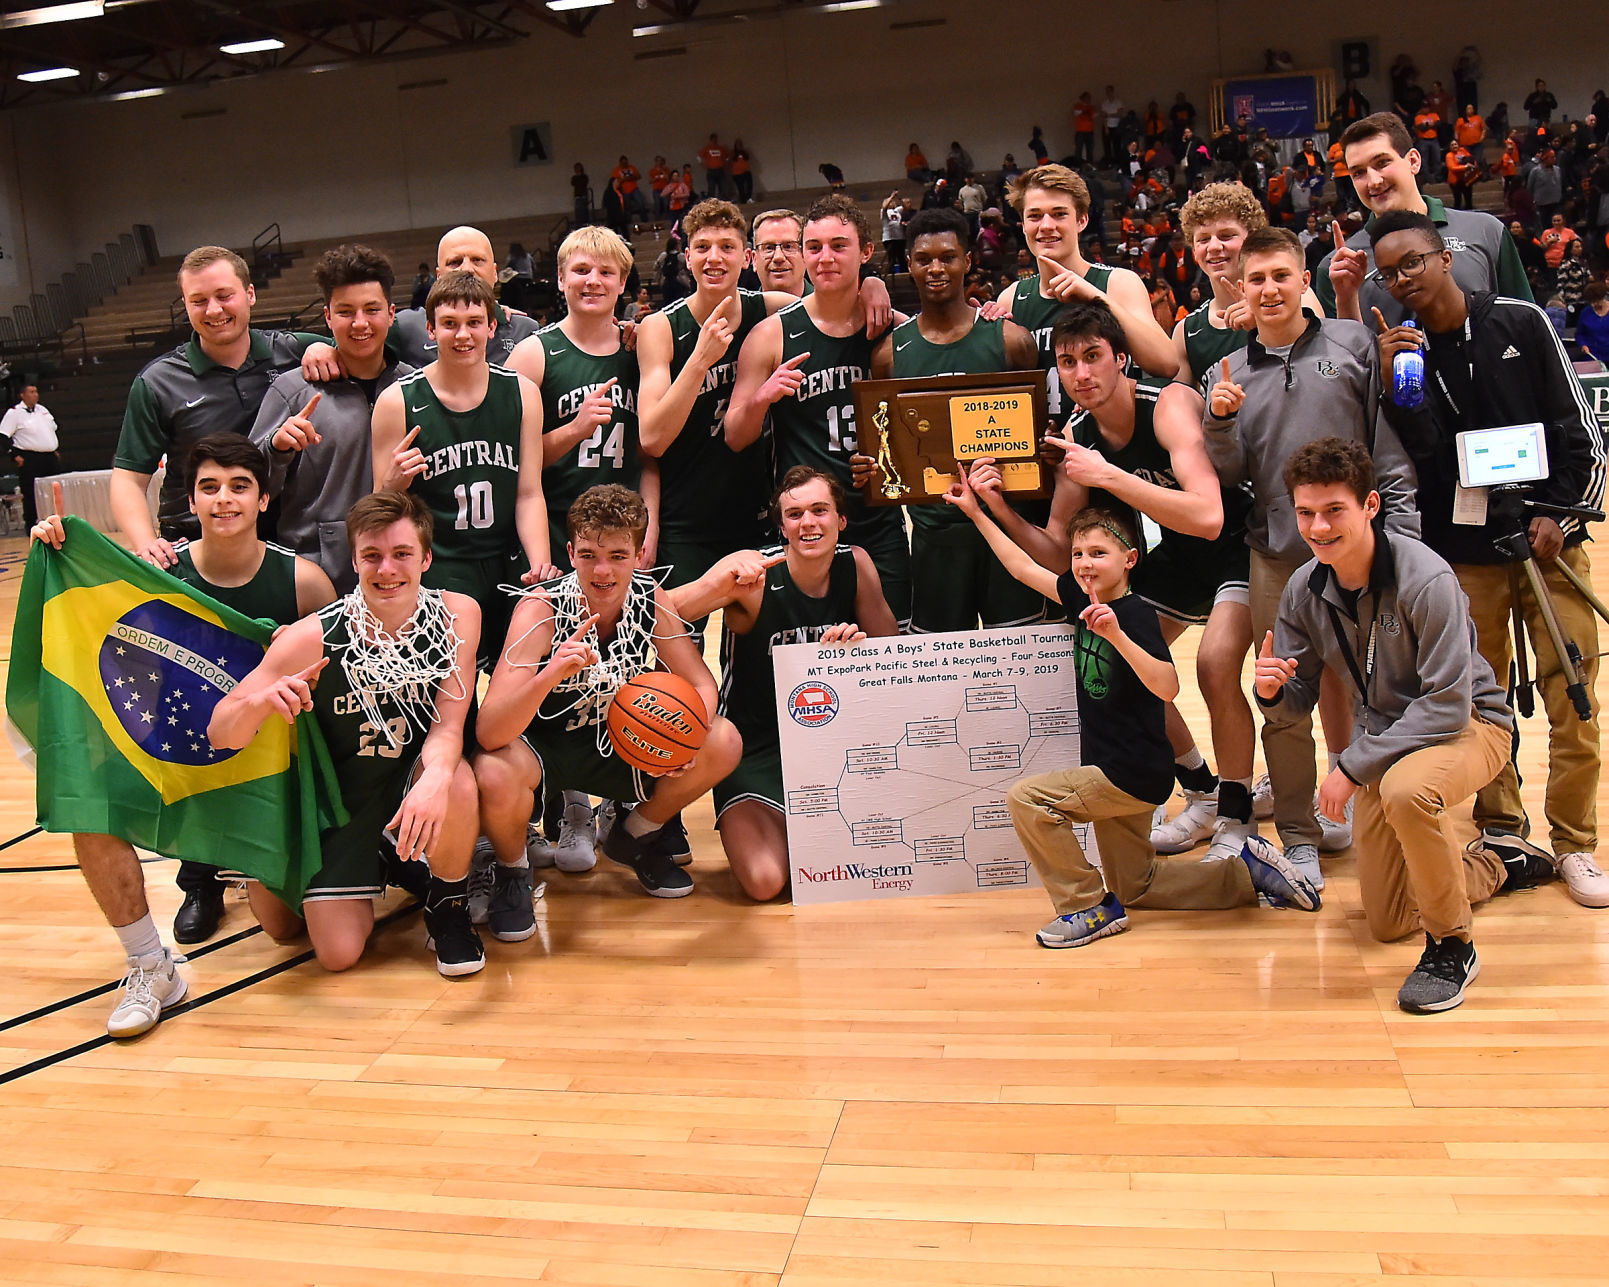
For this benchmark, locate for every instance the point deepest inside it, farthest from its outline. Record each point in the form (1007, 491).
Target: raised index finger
(56, 498)
(586, 624)
(1225, 369)
(794, 363)
(307, 672)
(409, 437)
(780, 557)
(311, 403)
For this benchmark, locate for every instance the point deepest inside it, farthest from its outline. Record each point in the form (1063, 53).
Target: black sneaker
(1448, 966)
(673, 840)
(413, 877)
(451, 935)
(512, 916)
(1525, 866)
(656, 870)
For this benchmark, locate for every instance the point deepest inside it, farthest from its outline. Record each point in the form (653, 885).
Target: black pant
(745, 186)
(35, 464)
(1463, 198)
(1084, 146)
(194, 876)
(1111, 146)
(895, 250)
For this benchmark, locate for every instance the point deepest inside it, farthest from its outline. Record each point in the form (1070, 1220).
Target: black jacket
(1511, 370)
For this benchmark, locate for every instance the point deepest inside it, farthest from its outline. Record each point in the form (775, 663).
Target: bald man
(459, 250)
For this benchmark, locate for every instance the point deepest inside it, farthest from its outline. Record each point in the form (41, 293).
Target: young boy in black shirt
(1125, 675)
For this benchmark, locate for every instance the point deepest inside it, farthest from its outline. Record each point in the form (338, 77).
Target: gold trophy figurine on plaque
(929, 427)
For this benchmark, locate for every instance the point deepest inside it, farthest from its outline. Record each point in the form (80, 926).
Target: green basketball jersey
(268, 596)
(980, 350)
(576, 704)
(472, 465)
(787, 615)
(1036, 314)
(1147, 459)
(708, 492)
(816, 426)
(1206, 345)
(370, 756)
(609, 454)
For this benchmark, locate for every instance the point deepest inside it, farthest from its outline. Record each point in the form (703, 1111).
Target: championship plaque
(918, 431)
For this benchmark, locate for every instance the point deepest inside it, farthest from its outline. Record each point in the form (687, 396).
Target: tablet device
(1505, 454)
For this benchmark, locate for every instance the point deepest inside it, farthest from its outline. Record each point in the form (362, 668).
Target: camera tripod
(1511, 505)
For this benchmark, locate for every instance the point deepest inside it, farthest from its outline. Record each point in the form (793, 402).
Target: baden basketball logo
(812, 704)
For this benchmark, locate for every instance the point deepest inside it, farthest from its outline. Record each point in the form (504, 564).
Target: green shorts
(480, 579)
(758, 777)
(570, 762)
(351, 865)
(1185, 584)
(886, 542)
(957, 581)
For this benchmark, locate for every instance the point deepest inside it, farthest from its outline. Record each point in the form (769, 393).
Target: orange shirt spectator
(713, 155)
(915, 159)
(1154, 124)
(658, 177)
(1084, 116)
(629, 175)
(1470, 130)
(1509, 166)
(1555, 241)
(1337, 157)
(1426, 122)
(1460, 166)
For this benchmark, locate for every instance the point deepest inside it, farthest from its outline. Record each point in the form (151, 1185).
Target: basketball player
(465, 436)
(813, 590)
(1054, 204)
(230, 564)
(779, 264)
(956, 581)
(395, 732)
(318, 437)
(570, 648)
(798, 366)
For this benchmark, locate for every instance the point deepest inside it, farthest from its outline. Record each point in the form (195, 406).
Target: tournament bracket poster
(897, 755)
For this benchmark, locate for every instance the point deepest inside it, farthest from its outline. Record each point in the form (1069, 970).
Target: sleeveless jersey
(982, 349)
(1206, 345)
(1146, 458)
(1036, 314)
(472, 463)
(268, 596)
(816, 426)
(572, 706)
(708, 491)
(787, 615)
(609, 454)
(369, 757)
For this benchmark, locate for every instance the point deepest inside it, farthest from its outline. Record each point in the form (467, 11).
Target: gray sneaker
(1333, 836)
(1305, 859)
(151, 986)
(1276, 878)
(1079, 929)
(481, 880)
(513, 914)
(1446, 969)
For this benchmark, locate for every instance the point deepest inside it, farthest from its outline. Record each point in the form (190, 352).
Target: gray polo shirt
(410, 340)
(182, 397)
(318, 486)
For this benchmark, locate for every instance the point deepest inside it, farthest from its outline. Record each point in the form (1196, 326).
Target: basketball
(657, 722)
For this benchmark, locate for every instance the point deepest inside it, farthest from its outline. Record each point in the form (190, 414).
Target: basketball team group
(498, 547)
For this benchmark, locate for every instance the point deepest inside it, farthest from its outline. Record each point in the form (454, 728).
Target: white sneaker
(1229, 837)
(1584, 879)
(482, 879)
(576, 849)
(1190, 826)
(1262, 798)
(153, 984)
(1333, 836)
(1305, 859)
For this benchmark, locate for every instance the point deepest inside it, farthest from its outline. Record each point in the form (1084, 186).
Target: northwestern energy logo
(812, 704)
(856, 871)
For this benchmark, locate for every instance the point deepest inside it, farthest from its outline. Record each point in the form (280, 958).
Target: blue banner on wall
(1286, 106)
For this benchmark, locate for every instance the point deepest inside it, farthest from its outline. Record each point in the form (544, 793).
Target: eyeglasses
(1408, 266)
(771, 249)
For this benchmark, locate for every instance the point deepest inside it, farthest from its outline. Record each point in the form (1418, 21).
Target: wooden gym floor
(708, 1093)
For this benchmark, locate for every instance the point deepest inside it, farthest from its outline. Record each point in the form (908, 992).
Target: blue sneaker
(1103, 920)
(1276, 878)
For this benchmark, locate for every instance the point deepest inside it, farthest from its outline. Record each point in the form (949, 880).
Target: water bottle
(1408, 378)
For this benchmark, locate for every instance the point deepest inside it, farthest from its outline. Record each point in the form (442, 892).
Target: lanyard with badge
(1364, 679)
(1469, 503)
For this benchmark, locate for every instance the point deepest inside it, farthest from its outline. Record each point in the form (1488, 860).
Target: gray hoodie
(1426, 675)
(1328, 385)
(317, 487)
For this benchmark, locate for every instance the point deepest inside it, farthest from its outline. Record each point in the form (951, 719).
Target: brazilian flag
(115, 670)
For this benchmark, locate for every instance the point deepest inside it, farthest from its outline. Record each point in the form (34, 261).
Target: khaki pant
(1411, 872)
(1043, 809)
(1288, 747)
(1571, 802)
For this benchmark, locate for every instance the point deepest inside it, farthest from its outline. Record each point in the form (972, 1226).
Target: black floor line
(33, 831)
(229, 989)
(62, 866)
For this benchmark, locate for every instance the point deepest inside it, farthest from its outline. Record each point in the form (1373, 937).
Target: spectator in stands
(28, 437)
(1545, 184)
(1571, 278)
(1112, 109)
(581, 196)
(1181, 116)
(1084, 112)
(1497, 125)
(659, 176)
(1352, 105)
(1036, 146)
(1540, 104)
(1462, 171)
(614, 207)
(674, 279)
(1525, 246)
(1406, 95)
(1470, 130)
(1152, 126)
(833, 175)
(893, 218)
(1555, 240)
(642, 304)
(1466, 74)
(1592, 327)
(990, 247)
(1197, 159)
(742, 173)
(1009, 170)
(423, 280)
(1427, 138)
(971, 200)
(678, 194)
(632, 200)
(713, 155)
(519, 259)
(916, 164)
(957, 164)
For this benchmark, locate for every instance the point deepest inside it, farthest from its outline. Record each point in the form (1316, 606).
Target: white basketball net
(631, 653)
(406, 666)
